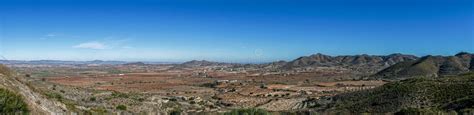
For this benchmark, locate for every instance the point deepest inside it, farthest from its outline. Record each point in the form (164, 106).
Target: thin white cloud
(127, 47)
(91, 45)
(51, 35)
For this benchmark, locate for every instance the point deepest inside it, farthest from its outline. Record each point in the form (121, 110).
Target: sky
(231, 30)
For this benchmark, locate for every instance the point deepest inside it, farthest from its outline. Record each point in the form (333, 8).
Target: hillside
(201, 63)
(450, 93)
(356, 64)
(135, 64)
(326, 60)
(37, 103)
(359, 63)
(429, 66)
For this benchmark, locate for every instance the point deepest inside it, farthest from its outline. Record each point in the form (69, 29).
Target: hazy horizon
(231, 31)
(224, 61)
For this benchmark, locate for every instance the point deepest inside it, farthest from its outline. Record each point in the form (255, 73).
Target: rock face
(37, 102)
(429, 66)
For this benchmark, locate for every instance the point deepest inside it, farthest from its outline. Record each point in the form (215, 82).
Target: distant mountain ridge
(196, 63)
(429, 66)
(361, 64)
(53, 62)
(135, 64)
(364, 59)
(60, 62)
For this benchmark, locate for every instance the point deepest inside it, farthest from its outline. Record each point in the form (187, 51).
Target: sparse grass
(5, 70)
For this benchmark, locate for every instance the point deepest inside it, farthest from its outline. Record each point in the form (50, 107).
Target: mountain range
(349, 60)
(393, 66)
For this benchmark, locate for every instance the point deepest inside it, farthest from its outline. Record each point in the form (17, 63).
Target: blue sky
(231, 31)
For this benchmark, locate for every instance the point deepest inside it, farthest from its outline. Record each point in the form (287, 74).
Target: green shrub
(175, 112)
(52, 95)
(121, 107)
(11, 102)
(210, 85)
(417, 111)
(249, 111)
(92, 99)
(119, 95)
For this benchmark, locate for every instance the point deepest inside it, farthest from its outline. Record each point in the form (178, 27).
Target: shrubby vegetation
(249, 111)
(121, 107)
(11, 102)
(70, 104)
(433, 94)
(417, 111)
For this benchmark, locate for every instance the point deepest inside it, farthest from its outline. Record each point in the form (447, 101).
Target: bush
(417, 111)
(209, 85)
(249, 111)
(92, 99)
(119, 95)
(11, 102)
(121, 107)
(52, 95)
(175, 112)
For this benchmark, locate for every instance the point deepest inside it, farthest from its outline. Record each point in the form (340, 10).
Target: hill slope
(450, 93)
(429, 66)
(360, 63)
(36, 101)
